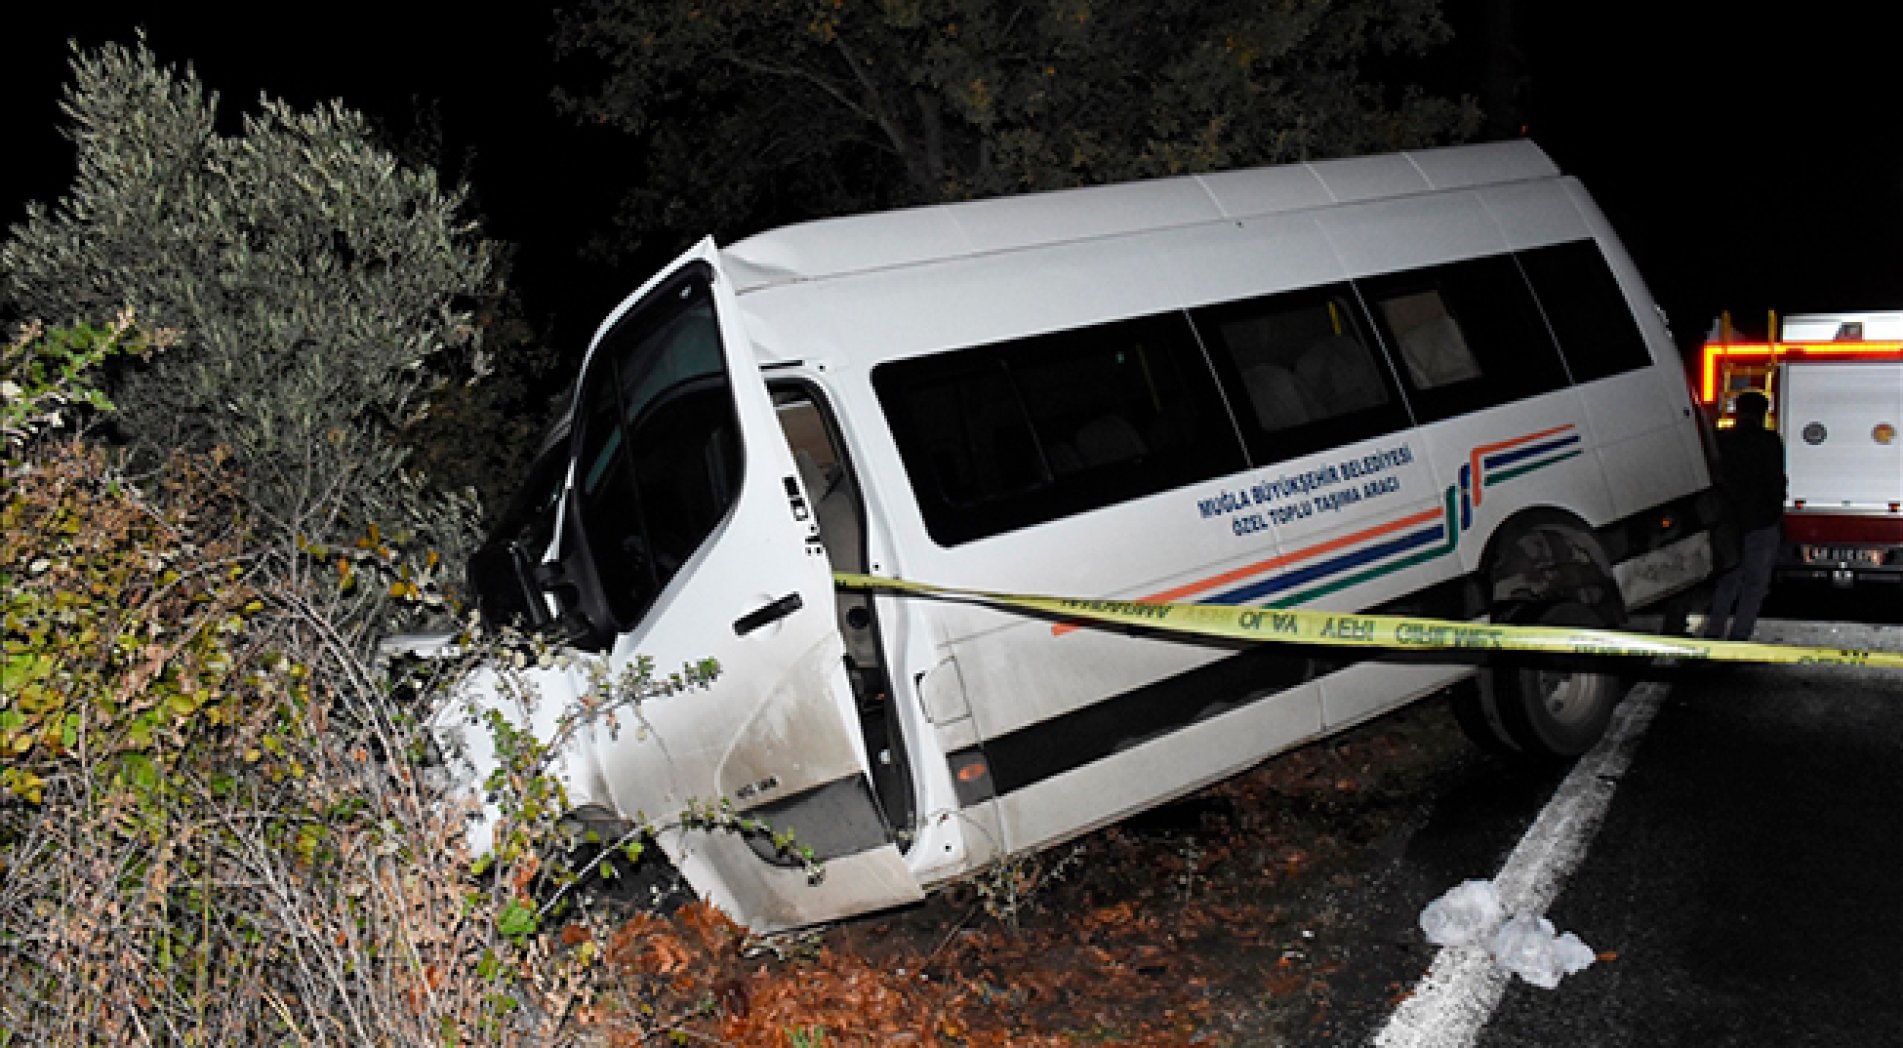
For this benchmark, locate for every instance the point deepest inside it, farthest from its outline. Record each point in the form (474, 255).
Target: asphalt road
(1749, 872)
(1743, 883)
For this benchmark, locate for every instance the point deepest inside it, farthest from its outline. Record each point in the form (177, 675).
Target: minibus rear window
(1594, 326)
(1007, 435)
(1465, 336)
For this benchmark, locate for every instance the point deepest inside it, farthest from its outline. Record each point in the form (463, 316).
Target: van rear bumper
(1660, 552)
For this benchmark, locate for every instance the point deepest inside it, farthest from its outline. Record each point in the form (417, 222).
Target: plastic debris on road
(1466, 916)
(1525, 945)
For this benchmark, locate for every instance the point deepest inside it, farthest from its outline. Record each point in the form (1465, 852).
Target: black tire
(1554, 707)
(1474, 711)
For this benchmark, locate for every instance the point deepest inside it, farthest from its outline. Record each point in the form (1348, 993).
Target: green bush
(49, 379)
(213, 825)
(214, 828)
(319, 288)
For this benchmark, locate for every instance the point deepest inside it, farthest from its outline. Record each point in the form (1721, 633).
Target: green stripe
(1450, 521)
(1509, 474)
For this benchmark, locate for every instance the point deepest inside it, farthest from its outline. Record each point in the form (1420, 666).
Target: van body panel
(1529, 214)
(1484, 163)
(1372, 363)
(1266, 191)
(1384, 236)
(1527, 453)
(856, 244)
(777, 720)
(1206, 750)
(1370, 689)
(1235, 260)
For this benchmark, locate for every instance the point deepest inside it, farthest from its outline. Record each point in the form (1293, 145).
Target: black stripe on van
(1049, 748)
(1256, 672)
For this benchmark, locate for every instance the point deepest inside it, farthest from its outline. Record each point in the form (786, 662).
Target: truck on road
(1835, 382)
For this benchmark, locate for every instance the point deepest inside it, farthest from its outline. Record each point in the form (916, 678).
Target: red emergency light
(1775, 352)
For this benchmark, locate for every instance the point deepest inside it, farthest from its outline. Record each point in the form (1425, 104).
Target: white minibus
(1424, 383)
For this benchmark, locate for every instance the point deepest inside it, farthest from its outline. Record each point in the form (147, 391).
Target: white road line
(1454, 1000)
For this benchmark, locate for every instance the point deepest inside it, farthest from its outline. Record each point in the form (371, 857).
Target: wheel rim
(1572, 699)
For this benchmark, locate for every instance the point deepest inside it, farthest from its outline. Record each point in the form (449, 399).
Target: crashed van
(1427, 383)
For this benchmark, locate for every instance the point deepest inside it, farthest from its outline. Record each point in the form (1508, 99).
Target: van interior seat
(1340, 375)
(1278, 398)
(1437, 354)
(1107, 439)
(1063, 459)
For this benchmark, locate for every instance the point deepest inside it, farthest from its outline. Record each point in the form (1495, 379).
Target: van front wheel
(1553, 706)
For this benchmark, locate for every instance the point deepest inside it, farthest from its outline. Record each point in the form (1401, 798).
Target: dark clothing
(1751, 472)
(1741, 591)
(1751, 475)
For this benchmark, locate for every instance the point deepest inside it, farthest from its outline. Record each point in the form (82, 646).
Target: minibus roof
(861, 243)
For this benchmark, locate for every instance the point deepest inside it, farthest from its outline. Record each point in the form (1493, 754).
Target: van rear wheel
(1553, 706)
(1478, 718)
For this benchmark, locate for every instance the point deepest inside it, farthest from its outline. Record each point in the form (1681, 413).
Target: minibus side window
(1594, 326)
(1011, 434)
(1464, 336)
(1301, 370)
(1433, 348)
(659, 458)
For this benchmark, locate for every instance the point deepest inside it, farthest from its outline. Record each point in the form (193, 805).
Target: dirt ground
(1202, 923)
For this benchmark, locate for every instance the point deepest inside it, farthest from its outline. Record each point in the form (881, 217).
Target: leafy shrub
(318, 286)
(51, 377)
(220, 825)
(213, 829)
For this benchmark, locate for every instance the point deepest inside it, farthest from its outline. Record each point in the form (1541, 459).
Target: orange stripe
(1273, 562)
(1479, 451)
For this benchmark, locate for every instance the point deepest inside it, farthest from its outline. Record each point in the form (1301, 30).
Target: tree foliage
(318, 286)
(49, 378)
(749, 112)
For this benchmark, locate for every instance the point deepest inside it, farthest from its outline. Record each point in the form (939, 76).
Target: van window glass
(1003, 436)
(1465, 336)
(1433, 348)
(659, 462)
(1301, 371)
(1594, 326)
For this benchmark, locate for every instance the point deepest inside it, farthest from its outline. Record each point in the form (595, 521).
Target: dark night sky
(1749, 165)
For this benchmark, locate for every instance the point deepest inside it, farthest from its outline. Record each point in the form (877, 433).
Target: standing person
(1751, 473)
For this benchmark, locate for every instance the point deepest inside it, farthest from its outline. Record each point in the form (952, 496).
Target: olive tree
(316, 289)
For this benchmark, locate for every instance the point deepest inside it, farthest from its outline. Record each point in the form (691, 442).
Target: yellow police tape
(1396, 632)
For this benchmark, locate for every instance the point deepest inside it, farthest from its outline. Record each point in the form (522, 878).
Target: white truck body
(1840, 417)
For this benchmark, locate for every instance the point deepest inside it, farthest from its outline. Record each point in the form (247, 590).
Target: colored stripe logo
(1312, 572)
(1496, 463)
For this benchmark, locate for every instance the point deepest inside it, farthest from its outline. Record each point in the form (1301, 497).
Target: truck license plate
(1841, 555)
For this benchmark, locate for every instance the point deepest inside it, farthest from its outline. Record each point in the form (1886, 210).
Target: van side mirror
(507, 587)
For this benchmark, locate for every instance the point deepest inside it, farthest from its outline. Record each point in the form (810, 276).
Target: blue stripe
(1256, 590)
(1506, 458)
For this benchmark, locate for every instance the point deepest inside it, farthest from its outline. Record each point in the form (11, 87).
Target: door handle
(772, 612)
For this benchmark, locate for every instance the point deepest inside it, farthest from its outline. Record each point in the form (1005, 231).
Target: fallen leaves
(1196, 927)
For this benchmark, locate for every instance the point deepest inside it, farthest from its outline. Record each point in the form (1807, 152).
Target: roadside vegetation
(260, 393)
